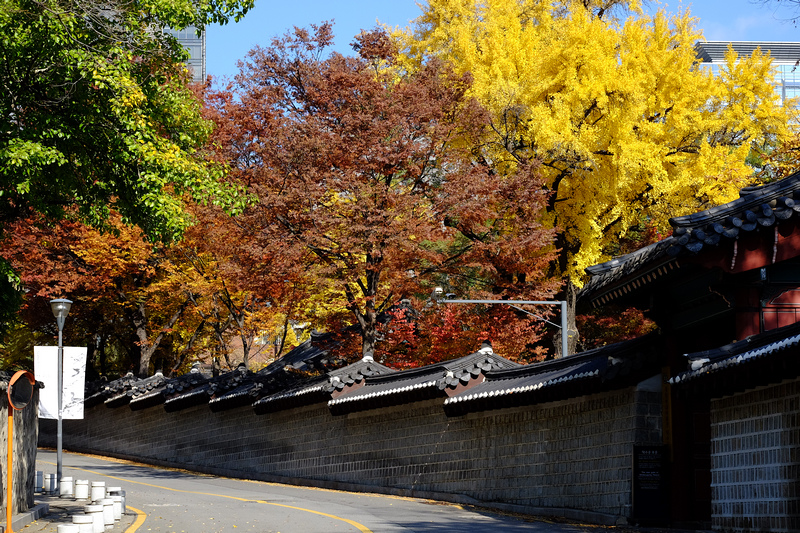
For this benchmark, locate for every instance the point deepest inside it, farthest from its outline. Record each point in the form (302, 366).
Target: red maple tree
(370, 183)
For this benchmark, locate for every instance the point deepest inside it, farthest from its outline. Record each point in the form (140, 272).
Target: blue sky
(728, 20)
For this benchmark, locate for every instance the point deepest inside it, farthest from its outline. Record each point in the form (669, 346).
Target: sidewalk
(50, 511)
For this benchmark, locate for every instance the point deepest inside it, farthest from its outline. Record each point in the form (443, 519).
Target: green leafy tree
(96, 114)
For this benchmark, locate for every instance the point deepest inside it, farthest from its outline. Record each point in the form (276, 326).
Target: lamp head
(438, 292)
(60, 308)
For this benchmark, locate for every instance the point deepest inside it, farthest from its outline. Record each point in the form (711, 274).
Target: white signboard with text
(45, 367)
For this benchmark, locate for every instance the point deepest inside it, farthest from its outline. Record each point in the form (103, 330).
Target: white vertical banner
(45, 368)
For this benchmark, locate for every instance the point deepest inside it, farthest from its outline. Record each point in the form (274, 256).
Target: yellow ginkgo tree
(613, 104)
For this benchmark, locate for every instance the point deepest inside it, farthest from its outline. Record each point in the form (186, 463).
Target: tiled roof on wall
(5, 377)
(100, 391)
(321, 388)
(432, 381)
(234, 388)
(627, 361)
(757, 207)
(255, 386)
(120, 391)
(180, 397)
(367, 384)
(281, 374)
(157, 389)
(738, 355)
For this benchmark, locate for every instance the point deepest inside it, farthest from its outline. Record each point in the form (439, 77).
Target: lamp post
(60, 308)
(438, 292)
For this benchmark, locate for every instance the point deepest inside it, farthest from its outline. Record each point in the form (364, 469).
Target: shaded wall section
(755, 459)
(570, 458)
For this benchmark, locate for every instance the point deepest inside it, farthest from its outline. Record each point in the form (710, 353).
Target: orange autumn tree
(128, 299)
(139, 306)
(245, 314)
(371, 184)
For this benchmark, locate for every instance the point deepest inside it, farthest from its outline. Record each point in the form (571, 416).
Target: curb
(20, 520)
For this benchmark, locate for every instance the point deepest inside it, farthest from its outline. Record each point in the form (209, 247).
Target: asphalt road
(171, 501)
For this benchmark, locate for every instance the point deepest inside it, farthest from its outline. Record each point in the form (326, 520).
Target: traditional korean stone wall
(568, 458)
(755, 460)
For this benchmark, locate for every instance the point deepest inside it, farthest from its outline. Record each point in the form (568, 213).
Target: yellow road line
(359, 527)
(140, 517)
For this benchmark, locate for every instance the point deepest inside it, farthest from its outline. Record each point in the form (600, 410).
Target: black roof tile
(100, 391)
(147, 392)
(757, 207)
(615, 365)
(253, 387)
(283, 373)
(432, 381)
(319, 389)
(738, 355)
(203, 390)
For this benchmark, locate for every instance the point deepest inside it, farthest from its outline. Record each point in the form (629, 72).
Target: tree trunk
(366, 320)
(139, 319)
(215, 367)
(146, 347)
(570, 295)
(186, 349)
(369, 333)
(101, 356)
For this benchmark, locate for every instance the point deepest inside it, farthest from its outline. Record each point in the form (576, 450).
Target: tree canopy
(140, 306)
(497, 149)
(792, 5)
(96, 114)
(371, 187)
(627, 125)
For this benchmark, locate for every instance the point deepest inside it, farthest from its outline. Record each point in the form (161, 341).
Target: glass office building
(196, 45)
(785, 58)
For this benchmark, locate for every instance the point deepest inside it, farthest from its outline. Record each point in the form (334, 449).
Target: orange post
(9, 477)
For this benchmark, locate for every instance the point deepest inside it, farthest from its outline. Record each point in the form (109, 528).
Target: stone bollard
(65, 488)
(96, 512)
(49, 486)
(117, 491)
(98, 490)
(108, 512)
(81, 489)
(68, 528)
(117, 506)
(39, 481)
(84, 522)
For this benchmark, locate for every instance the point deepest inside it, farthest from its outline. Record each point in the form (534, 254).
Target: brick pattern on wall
(573, 454)
(755, 460)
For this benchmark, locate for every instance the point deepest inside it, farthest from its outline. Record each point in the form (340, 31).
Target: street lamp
(437, 297)
(60, 309)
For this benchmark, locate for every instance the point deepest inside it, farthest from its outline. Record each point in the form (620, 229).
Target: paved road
(171, 501)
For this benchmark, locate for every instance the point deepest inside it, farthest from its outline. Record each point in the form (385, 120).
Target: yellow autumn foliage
(626, 124)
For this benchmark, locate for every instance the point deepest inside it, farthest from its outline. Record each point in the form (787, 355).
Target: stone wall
(755, 460)
(26, 432)
(570, 458)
